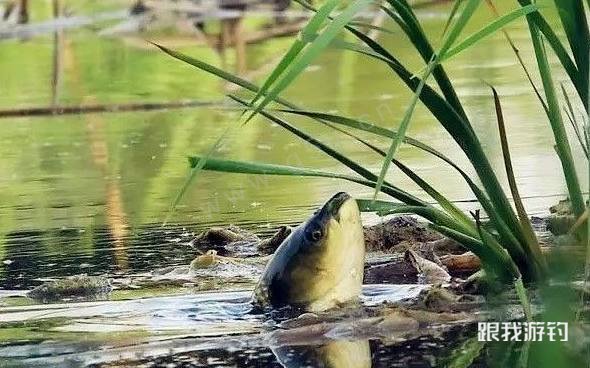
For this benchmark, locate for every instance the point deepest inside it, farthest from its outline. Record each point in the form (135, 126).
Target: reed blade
(384, 208)
(389, 188)
(516, 52)
(488, 30)
(461, 131)
(450, 208)
(571, 115)
(311, 52)
(256, 168)
(312, 28)
(448, 41)
(541, 25)
(194, 172)
(575, 25)
(557, 125)
(454, 10)
(532, 244)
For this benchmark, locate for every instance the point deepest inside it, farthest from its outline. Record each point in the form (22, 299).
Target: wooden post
(224, 37)
(57, 56)
(23, 12)
(225, 34)
(8, 9)
(239, 39)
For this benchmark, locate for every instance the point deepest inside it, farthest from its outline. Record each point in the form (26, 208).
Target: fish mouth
(332, 207)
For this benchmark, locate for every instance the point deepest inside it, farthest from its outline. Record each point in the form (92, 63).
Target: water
(89, 193)
(81, 189)
(184, 323)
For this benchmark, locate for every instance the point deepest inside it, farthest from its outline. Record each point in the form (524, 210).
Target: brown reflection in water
(115, 214)
(58, 44)
(116, 218)
(232, 33)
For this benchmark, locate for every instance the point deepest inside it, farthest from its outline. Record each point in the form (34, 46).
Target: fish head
(320, 265)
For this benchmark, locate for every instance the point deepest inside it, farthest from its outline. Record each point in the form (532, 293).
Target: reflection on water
(129, 329)
(444, 351)
(121, 171)
(337, 354)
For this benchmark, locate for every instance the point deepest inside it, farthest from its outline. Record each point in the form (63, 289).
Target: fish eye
(316, 235)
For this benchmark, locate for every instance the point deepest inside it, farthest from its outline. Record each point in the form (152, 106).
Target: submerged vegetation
(506, 243)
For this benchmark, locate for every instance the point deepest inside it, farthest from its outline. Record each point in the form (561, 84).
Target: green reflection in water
(122, 171)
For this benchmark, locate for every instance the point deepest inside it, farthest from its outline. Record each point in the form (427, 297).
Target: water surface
(83, 189)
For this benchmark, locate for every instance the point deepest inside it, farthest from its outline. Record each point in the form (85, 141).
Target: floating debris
(397, 232)
(237, 241)
(429, 271)
(73, 287)
(206, 260)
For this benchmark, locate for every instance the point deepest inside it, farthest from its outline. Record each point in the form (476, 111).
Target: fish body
(320, 265)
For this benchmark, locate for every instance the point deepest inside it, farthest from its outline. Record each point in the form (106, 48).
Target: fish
(320, 265)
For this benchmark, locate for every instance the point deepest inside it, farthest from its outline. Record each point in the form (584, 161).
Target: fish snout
(333, 206)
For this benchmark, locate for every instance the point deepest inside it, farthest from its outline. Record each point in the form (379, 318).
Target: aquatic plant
(505, 243)
(574, 23)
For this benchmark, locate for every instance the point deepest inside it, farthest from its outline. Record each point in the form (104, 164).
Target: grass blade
(209, 68)
(458, 26)
(354, 166)
(524, 300)
(194, 171)
(579, 222)
(576, 130)
(369, 26)
(492, 262)
(485, 202)
(311, 28)
(298, 65)
(575, 25)
(488, 30)
(377, 130)
(463, 134)
(406, 19)
(516, 52)
(571, 115)
(243, 167)
(401, 132)
(384, 208)
(557, 125)
(355, 23)
(541, 25)
(255, 168)
(454, 10)
(532, 243)
(492, 254)
(492, 249)
(447, 205)
(449, 40)
(396, 193)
